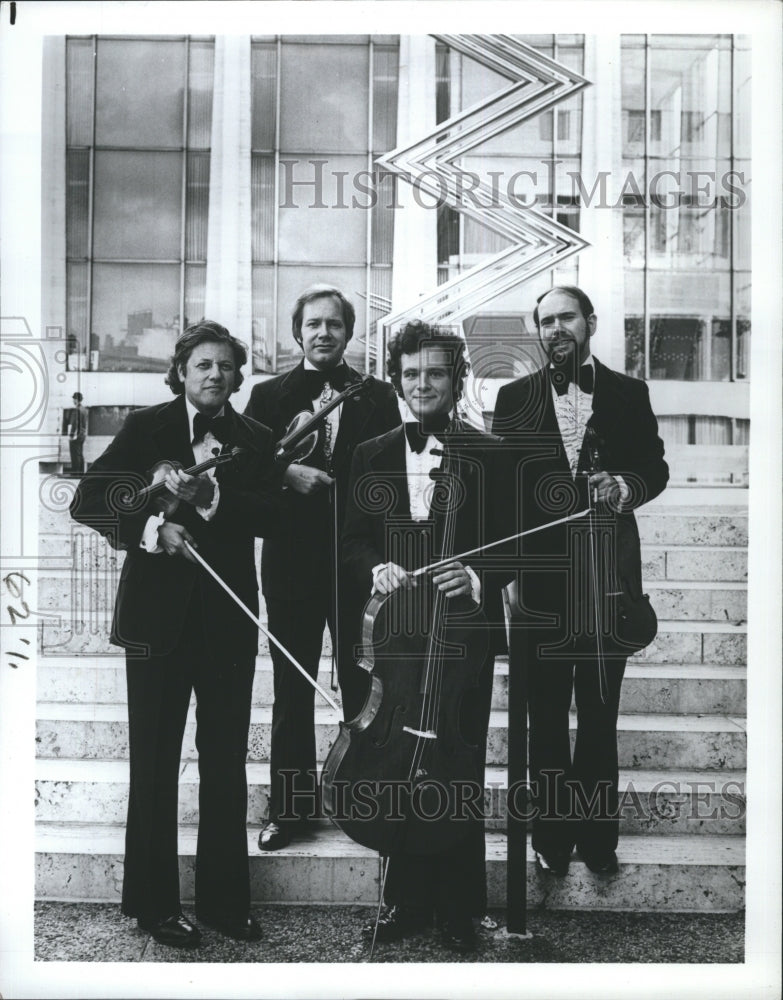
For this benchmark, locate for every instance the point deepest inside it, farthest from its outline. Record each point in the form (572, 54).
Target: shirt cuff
(209, 512)
(149, 538)
(475, 585)
(375, 571)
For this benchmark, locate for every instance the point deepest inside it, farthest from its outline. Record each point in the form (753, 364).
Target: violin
(391, 780)
(305, 430)
(157, 490)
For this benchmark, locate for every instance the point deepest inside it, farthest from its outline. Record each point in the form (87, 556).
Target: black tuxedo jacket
(295, 563)
(379, 501)
(155, 590)
(626, 436)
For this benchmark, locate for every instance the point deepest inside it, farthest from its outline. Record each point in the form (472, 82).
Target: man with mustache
(298, 564)
(574, 426)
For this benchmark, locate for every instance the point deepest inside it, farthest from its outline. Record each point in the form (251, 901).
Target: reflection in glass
(330, 230)
(263, 335)
(197, 206)
(77, 200)
(79, 87)
(331, 82)
(135, 317)
(200, 85)
(140, 93)
(138, 205)
(263, 74)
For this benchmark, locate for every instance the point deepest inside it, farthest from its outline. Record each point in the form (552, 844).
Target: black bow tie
(560, 378)
(219, 426)
(418, 435)
(315, 378)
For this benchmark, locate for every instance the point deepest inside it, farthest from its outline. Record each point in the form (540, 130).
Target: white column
(229, 274)
(601, 267)
(415, 228)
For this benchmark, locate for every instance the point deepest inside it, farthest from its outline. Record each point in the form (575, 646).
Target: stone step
(664, 525)
(697, 601)
(663, 741)
(676, 641)
(687, 600)
(670, 874)
(664, 802)
(694, 562)
(647, 687)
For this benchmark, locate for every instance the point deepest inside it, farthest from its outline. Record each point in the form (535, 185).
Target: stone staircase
(682, 740)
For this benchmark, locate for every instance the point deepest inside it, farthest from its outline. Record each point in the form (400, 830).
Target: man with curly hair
(182, 633)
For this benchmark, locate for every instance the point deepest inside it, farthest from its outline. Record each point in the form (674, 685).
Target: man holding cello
(421, 495)
(181, 632)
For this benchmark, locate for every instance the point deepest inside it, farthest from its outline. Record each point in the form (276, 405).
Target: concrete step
(698, 601)
(665, 741)
(684, 525)
(694, 562)
(671, 874)
(676, 642)
(647, 687)
(665, 802)
(689, 600)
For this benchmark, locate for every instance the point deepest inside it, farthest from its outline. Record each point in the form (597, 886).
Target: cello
(395, 777)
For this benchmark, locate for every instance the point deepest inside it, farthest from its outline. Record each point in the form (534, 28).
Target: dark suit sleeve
(649, 472)
(119, 469)
(254, 505)
(359, 550)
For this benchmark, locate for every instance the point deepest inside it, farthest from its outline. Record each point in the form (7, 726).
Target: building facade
(219, 176)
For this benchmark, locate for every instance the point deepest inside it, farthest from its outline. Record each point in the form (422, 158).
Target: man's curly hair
(199, 333)
(417, 334)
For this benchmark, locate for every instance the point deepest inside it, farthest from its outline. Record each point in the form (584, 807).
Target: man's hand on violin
(304, 479)
(453, 580)
(196, 490)
(172, 538)
(391, 576)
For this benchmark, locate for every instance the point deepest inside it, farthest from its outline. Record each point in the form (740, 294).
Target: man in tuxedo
(576, 429)
(298, 565)
(183, 633)
(384, 542)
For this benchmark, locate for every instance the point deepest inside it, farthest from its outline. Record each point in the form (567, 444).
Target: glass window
(321, 211)
(140, 93)
(126, 165)
(687, 229)
(138, 205)
(331, 82)
(135, 317)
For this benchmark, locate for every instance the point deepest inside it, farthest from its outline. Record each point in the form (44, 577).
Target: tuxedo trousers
(159, 691)
(299, 626)
(575, 795)
(452, 882)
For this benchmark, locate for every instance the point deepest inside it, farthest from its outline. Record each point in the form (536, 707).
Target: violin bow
(254, 618)
(500, 541)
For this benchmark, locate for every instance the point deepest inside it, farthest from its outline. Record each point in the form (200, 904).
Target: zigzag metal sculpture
(432, 164)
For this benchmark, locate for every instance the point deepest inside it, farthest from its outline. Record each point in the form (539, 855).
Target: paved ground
(97, 932)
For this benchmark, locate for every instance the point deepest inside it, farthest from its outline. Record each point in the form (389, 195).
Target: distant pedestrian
(77, 432)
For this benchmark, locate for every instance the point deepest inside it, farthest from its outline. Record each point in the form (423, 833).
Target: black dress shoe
(176, 931)
(601, 864)
(554, 862)
(274, 836)
(458, 934)
(240, 928)
(397, 922)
